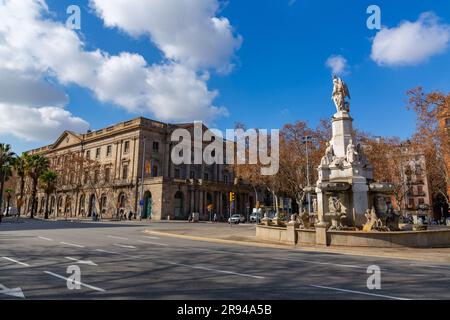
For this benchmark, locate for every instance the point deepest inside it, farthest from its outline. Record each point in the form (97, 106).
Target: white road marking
(74, 281)
(15, 292)
(115, 237)
(44, 238)
(106, 251)
(118, 253)
(72, 245)
(322, 263)
(18, 262)
(154, 243)
(215, 270)
(361, 292)
(124, 246)
(153, 238)
(88, 262)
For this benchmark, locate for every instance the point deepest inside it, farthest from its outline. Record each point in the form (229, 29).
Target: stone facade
(167, 191)
(415, 179)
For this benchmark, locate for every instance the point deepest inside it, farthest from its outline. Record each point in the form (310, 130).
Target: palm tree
(6, 162)
(47, 182)
(35, 166)
(20, 169)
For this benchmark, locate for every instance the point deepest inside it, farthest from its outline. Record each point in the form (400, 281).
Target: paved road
(118, 261)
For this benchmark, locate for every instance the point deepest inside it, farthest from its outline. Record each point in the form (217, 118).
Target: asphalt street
(118, 260)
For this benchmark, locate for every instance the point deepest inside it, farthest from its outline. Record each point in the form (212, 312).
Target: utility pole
(141, 197)
(306, 139)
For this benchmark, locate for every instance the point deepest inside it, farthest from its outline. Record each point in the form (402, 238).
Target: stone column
(342, 132)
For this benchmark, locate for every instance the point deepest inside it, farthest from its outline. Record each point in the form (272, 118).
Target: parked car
(11, 213)
(236, 218)
(255, 217)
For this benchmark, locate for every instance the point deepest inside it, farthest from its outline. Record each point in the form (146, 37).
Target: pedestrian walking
(215, 217)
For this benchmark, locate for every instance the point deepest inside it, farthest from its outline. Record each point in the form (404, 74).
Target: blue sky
(280, 73)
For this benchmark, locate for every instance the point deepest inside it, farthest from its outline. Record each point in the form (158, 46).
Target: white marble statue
(352, 153)
(328, 158)
(340, 93)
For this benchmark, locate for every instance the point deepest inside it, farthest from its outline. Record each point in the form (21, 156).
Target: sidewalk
(245, 235)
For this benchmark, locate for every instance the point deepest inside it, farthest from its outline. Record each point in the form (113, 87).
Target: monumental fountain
(351, 208)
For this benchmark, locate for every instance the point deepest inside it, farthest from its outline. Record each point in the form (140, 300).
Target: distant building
(167, 190)
(414, 173)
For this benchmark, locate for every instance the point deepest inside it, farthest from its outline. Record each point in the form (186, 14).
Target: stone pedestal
(342, 132)
(321, 234)
(291, 233)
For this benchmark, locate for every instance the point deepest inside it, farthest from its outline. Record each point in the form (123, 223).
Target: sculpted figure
(352, 153)
(340, 93)
(329, 155)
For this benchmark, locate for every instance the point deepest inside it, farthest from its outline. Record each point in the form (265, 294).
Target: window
(97, 153)
(126, 147)
(88, 154)
(421, 201)
(205, 176)
(155, 146)
(155, 171)
(411, 202)
(125, 171)
(177, 173)
(108, 151)
(107, 174)
(419, 190)
(225, 178)
(86, 176)
(192, 175)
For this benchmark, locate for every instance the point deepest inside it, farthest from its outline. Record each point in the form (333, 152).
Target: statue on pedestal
(340, 93)
(328, 158)
(337, 213)
(352, 153)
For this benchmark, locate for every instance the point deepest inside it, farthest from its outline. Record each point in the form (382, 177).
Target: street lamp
(141, 200)
(305, 140)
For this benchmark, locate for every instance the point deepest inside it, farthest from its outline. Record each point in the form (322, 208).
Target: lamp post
(306, 139)
(141, 200)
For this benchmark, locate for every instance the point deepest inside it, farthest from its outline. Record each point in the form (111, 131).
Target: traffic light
(232, 196)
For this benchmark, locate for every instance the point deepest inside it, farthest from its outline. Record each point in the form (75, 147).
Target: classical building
(415, 178)
(127, 167)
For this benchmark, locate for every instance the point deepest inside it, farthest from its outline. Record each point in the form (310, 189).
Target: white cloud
(22, 89)
(34, 47)
(337, 64)
(411, 42)
(186, 31)
(38, 124)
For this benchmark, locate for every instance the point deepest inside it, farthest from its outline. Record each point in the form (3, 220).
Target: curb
(296, 248)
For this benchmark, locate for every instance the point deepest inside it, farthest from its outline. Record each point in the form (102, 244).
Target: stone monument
(344, 174)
